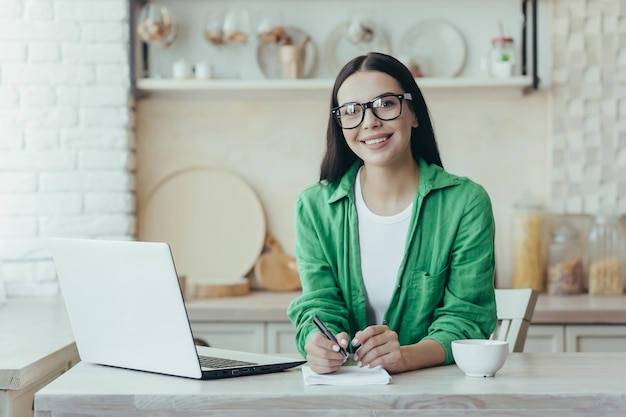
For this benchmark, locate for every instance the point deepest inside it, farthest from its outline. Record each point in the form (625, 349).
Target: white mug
(180, 69)
(203, 70)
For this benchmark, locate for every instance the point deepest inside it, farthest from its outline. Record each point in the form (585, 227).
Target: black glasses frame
(336, 112)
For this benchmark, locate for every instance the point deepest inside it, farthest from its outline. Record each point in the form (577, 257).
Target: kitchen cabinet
(576, 338)
(258, 322)
(545, 338)
(597, 338)
(578, 323)
(267, 337)
(237, 67)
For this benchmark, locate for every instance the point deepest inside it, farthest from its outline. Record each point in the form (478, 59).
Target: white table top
(528, 384)
(35, 337)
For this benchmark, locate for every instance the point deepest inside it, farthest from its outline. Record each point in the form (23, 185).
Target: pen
(320, 325)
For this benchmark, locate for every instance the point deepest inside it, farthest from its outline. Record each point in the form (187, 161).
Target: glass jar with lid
(502, 57)
(528, 248)
(566, 260)
(606, 255)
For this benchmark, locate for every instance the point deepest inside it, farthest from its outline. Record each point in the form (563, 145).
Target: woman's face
(375, 141)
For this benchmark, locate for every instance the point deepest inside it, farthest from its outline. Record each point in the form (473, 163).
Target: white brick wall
(66, 158)
(588, 92)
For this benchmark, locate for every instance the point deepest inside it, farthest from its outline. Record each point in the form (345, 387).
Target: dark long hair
(339, 157)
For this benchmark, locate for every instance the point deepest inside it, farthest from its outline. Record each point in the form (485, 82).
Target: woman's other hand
(378, 345)
(323, 355)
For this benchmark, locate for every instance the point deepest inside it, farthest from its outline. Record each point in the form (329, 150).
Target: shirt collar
(431, 177)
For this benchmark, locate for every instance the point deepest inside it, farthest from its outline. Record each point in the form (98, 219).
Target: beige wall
(276, 146)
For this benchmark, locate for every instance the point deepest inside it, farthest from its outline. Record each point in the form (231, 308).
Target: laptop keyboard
(219, 363)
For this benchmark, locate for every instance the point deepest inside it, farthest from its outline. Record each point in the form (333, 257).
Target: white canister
(202, 70)
(181, 69)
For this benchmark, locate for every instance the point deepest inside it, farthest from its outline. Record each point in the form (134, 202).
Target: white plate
(339, 49)
(268, 57)
(436, 46)
(212, 219)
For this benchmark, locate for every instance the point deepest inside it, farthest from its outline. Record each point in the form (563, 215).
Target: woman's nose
(369, 119)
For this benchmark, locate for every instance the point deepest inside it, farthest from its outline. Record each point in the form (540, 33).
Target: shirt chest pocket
(421, 293)
(425, 282)
(423, 290)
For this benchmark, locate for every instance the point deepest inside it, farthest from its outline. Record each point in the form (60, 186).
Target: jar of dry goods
(565, 264)
(502, 57)
(606, 255)
(528, 270)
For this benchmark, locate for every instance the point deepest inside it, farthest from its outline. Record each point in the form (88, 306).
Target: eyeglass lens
(350, 115)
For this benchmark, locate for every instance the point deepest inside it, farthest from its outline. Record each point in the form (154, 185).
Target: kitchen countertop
(258, 306)
(529, 384)
(261, 306)
(35, 339)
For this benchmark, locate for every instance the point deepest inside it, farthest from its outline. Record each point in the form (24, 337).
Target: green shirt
(444, 287)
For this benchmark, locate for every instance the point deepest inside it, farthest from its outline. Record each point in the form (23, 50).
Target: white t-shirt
(382, 243)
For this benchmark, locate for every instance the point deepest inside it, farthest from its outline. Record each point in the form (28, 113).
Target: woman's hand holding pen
(323, 354)
(378, 345)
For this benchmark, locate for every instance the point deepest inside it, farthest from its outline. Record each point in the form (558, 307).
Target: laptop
(126, 310)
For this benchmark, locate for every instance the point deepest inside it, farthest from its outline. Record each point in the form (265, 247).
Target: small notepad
(347, 375)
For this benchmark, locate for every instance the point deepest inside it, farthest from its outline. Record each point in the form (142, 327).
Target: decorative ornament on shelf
(156, 25)
(359, 32)
(232, 28)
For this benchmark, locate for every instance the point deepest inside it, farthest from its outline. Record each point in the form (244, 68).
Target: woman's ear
(415, 124)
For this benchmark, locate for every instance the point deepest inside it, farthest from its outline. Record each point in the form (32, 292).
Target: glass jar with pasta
(606, 255)
(528, 248)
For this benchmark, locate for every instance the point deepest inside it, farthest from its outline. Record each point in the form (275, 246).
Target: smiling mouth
(375, 141)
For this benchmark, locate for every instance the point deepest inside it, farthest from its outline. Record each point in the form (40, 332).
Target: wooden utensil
(275, 270)
(222, 288)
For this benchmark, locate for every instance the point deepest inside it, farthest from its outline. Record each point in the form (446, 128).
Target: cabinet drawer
(545, 338)
(281, 338)
(595, 338)
(248, 337)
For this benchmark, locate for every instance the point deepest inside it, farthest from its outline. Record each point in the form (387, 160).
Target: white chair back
(515, 311)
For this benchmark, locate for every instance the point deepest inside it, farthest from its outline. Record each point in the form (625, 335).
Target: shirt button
(384, 322)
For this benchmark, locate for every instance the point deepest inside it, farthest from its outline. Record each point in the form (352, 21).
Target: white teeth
(375, 141)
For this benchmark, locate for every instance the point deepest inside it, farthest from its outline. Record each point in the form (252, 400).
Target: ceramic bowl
(480, 357)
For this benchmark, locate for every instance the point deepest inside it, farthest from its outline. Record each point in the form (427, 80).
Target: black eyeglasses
(385, 107)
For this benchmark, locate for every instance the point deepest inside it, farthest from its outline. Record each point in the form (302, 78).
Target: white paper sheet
(347, 375)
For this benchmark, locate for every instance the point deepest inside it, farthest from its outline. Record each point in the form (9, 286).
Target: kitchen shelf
(292, 88)
(513, 86)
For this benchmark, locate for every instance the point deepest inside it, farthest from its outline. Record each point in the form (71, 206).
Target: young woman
(395, 254)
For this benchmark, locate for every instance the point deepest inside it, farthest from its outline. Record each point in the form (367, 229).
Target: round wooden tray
(212, 219)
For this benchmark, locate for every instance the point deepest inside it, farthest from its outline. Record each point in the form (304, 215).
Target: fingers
(364, 335)
(377, 346)
(323, 354)
(342, 338)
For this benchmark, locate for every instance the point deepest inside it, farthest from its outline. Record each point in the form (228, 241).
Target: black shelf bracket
(133, 6)
(535, 74)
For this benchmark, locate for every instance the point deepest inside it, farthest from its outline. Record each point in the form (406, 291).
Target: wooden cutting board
(222, 288)
(212, 220)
